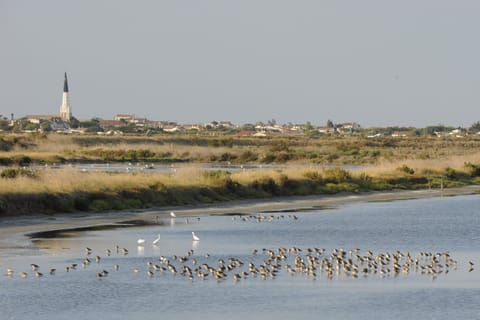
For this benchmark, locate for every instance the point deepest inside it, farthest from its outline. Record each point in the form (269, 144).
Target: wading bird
(195, 238)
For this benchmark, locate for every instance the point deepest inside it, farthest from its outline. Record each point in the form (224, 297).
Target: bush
(11, 173)
(265, 184)
(313, 175)
(472, 169)
(283, 157)
(22, 160)
(450, 173)
(227, 156)
(406, 169)
(278, 146)
(336, 175)
(247, 156)
(269, 158)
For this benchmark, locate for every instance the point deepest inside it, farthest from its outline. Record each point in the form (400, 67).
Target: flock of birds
(263, 218)
(269, 263)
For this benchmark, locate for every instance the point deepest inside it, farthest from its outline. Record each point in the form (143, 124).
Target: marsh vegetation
(387, 163)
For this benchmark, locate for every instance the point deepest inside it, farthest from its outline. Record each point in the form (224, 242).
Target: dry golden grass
(456, 162)
(71, 181)
(429, 155)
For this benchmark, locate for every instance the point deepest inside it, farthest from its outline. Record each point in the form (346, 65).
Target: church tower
(65, 110)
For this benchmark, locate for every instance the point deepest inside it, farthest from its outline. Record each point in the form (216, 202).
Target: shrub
(283, 157)
(450, 173)
(247, 156)
(406, 169)
(21, 160)
(472, 169)
(11, 173)
(227, 156)
(99, 205)
(6, 145)
(266, 184)
(332, 157)
(268, 158)
(313, 175)
(278, 146)
(336, 175)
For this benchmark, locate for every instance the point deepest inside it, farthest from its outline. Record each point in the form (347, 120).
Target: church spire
(65, 84)
(65, 109)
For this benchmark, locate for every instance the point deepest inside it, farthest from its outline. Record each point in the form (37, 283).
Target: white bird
(195, 238)
(173, 215)
(141, 242)
(156, 240)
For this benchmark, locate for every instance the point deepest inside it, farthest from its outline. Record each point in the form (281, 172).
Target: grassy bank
(23, 191)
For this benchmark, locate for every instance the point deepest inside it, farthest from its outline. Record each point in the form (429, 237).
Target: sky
(374, 62)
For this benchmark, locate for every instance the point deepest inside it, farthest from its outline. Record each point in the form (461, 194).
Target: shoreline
(13, 229)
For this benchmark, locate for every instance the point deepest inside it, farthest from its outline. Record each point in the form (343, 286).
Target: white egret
(195, 238)
(141, 242)
(156, 240)
(172, 214)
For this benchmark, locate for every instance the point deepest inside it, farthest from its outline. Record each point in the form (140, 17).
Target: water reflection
(195, 244)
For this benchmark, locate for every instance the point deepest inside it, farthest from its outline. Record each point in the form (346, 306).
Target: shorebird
(141, 242)
(9, 272)
(172, 214)
(195, 238)
(155, 242)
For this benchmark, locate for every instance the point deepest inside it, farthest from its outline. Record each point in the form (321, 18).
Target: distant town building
(38, 118)
(124, 117)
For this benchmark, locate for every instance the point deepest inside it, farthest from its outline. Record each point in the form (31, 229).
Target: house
(40, 118)
(326, 130)
(124, 117)
(111, 123)
(348, 127)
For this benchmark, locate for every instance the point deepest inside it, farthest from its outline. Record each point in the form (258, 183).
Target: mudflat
(13, 229)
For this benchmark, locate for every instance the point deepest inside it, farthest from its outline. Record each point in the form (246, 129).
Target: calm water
(414, 226)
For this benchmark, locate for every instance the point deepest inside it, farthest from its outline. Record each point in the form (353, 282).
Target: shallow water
(414, 226)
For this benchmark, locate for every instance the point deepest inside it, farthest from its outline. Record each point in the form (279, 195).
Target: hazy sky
(378, 63)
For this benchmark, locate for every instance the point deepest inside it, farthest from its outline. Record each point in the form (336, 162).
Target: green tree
(74, 122)
(31, 126)
(308, 126)
(4, 125)
(475, 127)
(45, 126)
